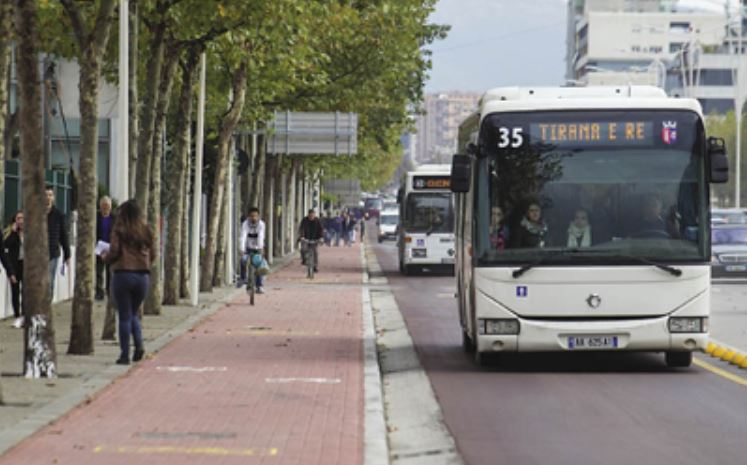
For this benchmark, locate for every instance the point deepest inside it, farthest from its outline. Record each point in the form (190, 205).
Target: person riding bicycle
(252, 243)
(311, 229)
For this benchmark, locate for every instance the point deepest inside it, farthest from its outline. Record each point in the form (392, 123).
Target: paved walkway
(280, 383)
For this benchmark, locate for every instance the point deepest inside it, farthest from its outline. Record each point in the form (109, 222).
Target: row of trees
(368, 57)
(725, 126)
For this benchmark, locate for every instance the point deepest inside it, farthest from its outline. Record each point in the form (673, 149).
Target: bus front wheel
(679, 359)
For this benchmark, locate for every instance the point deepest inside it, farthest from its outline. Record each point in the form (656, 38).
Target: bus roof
(432, 169)
(510, 99)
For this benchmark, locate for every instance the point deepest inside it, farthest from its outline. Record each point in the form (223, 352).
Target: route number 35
(510, 137)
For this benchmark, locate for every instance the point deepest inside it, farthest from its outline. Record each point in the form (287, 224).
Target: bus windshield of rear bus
(607, 187)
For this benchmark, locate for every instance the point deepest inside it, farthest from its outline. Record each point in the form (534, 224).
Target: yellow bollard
(719, 352)
(728, 355)
(743, 364)
(738, 359)
(710, 348)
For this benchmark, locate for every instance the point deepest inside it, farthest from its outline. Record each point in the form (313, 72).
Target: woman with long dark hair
(130, 255)
(14, 252)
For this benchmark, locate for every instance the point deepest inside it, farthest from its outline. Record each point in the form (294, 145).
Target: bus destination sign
(431, 182)
(594, 133)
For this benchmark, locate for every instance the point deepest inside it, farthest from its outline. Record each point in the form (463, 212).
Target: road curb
(415, 428)
(87, 391)
(375, 447)
(721, 351)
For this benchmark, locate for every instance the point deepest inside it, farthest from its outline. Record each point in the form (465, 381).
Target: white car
(388, 222)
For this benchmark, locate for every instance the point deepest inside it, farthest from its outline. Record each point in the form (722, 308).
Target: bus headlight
(493, 327)
(688, 325)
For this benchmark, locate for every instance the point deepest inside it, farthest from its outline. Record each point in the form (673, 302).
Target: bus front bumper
(649, 334)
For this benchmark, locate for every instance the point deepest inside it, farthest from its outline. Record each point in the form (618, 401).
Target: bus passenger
(532, 229)
(651, 219)
(579, 231)
(498, 229)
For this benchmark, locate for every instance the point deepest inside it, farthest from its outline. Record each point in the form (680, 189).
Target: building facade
(689, 48)
(438, 125)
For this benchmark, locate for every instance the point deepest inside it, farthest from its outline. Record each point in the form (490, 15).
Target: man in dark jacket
(57, 234)
(104, 225)
(311, 230)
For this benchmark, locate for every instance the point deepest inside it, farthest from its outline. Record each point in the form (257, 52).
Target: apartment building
(689, 48)
(438, 125)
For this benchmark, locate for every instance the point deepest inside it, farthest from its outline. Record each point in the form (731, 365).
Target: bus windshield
(609, 186)
(431, 212)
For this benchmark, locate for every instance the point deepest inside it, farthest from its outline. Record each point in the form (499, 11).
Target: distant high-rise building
(437, 128)
(687, 48)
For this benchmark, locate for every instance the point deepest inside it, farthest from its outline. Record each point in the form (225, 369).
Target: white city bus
(426, 229)
(583, 222)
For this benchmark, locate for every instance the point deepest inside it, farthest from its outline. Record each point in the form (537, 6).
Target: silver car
(729, 250)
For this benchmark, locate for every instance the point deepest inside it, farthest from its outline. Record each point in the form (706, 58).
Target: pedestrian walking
(58, 238)
(130, 256)
(104, 223)
(12, 257)
(338, 228)
(348, 228)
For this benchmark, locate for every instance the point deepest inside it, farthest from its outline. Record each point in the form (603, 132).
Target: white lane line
(178, 369)
(303, 380)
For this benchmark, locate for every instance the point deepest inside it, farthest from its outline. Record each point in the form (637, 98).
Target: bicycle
(309, 256)
(251, 274)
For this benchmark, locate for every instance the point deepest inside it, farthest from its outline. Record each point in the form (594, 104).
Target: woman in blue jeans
(130, 255)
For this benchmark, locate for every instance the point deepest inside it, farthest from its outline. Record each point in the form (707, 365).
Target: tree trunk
(220, 252)
(154, 297)
(148, 116)
(228, 124)
(255, 199)
(108, 332)
(277, 237)
(6, 23)
(184, 291)
(40, 357)
(179, 175)
(133, 96)
(91, 48)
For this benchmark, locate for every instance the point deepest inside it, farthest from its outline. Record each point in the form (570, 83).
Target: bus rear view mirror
(460, 173)
(719, 161)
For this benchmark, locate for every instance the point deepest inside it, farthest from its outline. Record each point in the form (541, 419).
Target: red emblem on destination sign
(669, 132)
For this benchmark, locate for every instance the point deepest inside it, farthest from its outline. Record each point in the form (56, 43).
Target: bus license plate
(736, 268)
(447, 261)
(592, 342)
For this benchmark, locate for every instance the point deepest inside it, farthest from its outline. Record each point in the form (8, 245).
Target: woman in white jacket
(579, 231)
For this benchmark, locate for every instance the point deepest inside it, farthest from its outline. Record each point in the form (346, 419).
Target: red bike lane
(280, 382)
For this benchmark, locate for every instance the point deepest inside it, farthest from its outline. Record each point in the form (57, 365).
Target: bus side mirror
(461, 167)
(400, 195)
(719, 163)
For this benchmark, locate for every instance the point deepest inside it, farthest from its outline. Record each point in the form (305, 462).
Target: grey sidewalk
(31, 404)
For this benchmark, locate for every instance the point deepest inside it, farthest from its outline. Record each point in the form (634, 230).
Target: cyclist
(252, 242)
(311, 229)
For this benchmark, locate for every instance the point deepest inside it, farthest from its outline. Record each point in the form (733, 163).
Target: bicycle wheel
(250, 283)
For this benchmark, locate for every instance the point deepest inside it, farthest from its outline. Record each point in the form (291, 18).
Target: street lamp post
(123, 128)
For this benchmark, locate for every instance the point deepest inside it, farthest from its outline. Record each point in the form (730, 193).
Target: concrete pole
(197, 190)
(269, 201)
(230, 221)
(123, 127)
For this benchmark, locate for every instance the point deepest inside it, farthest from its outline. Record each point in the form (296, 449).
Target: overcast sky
(498, 43)
(507, 42)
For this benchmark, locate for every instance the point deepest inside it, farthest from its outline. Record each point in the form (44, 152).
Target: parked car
(729, 250)
(388, 222)
(728, 216)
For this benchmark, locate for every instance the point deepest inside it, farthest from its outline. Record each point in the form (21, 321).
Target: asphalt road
(576, 409)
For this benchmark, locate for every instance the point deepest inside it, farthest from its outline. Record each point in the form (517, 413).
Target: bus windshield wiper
(669, 269)
(570, 252)
(429, 231)
(543, 259)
